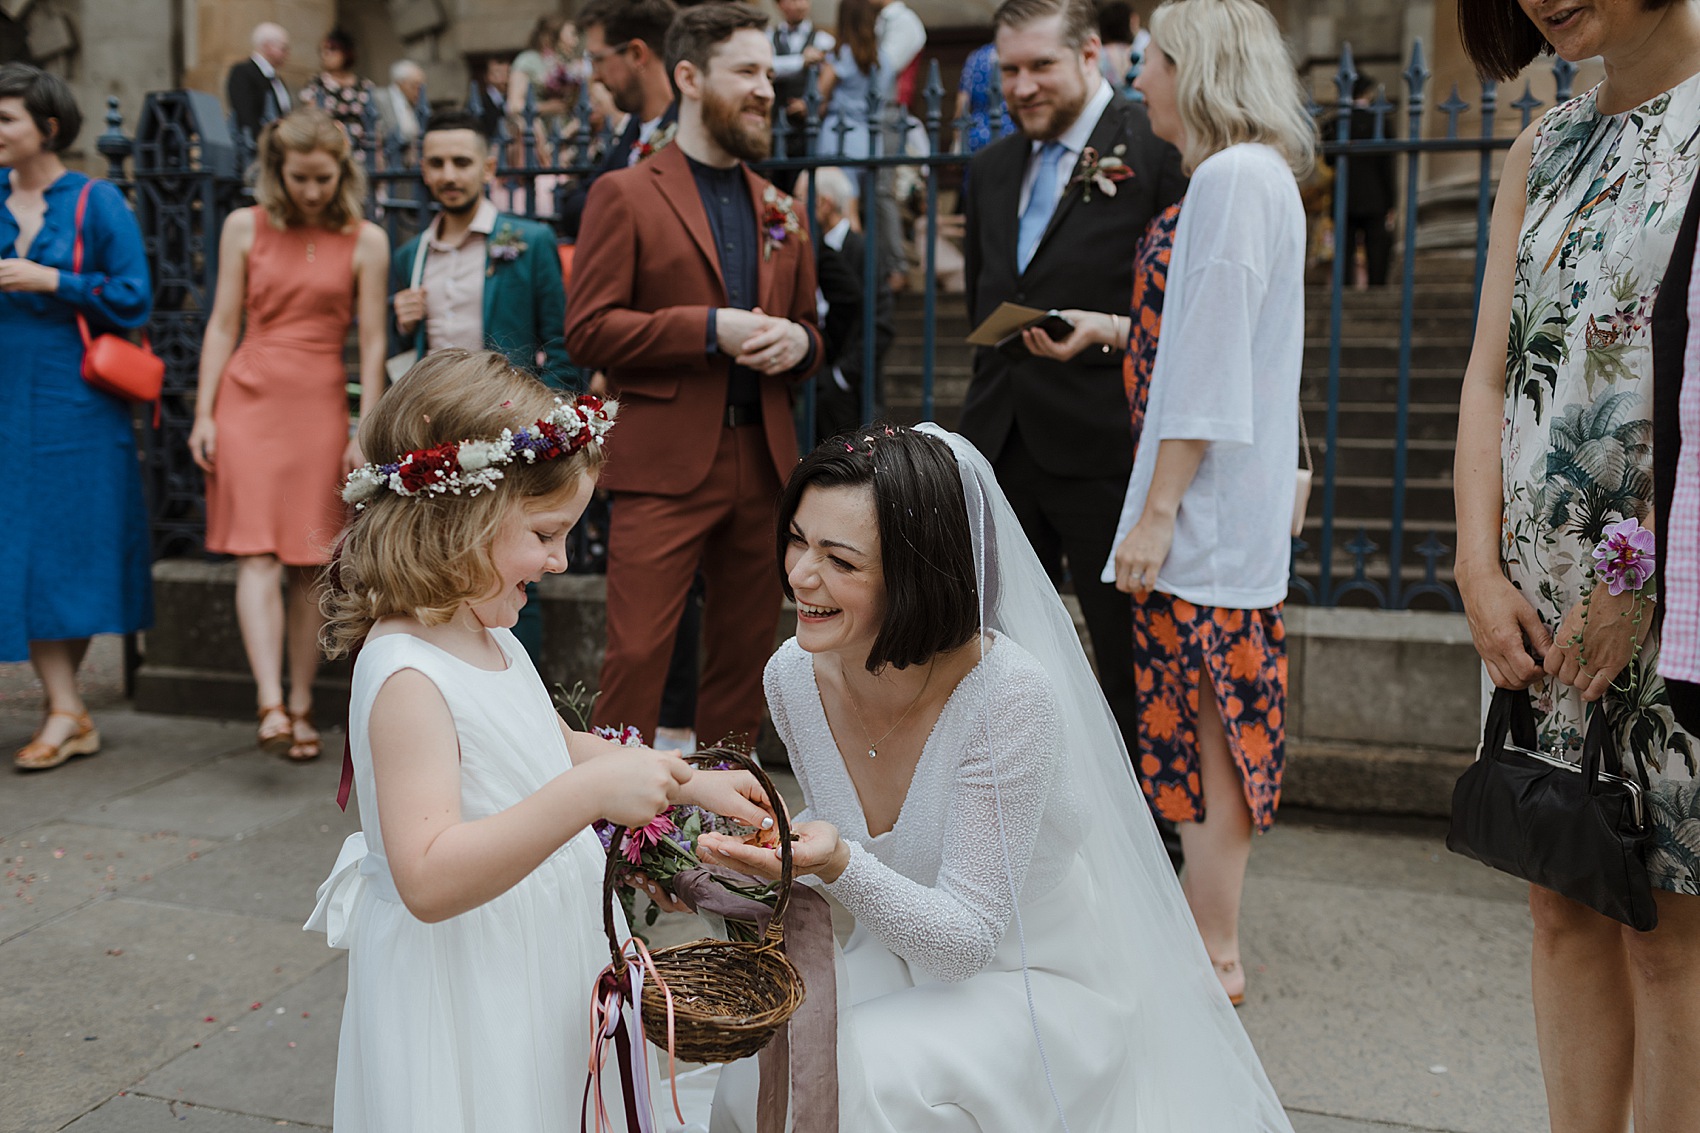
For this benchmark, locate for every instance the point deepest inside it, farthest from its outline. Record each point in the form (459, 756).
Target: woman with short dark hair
(971, 805)
(75, 560)
(340, 92)
(1554, 445)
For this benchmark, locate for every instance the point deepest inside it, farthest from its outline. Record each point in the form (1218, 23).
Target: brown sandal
(302, 750)
(1225, 968)
(38, 755)
(275, 739)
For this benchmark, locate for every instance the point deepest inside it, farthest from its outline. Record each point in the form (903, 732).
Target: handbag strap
(418, 277)
(1510, 716)
(1304, 442)
(77, 258)
(1599, 746)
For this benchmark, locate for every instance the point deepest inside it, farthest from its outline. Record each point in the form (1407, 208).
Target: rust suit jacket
(645, 276)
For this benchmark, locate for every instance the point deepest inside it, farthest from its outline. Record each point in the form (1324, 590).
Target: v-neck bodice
(991, 785)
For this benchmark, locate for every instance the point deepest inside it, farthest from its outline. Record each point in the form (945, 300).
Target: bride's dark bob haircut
(926, 550)
(1501, 39)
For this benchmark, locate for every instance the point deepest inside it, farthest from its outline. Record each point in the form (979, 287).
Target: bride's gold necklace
(873, 744)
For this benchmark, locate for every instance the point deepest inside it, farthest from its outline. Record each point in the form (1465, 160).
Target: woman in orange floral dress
(1203, 544)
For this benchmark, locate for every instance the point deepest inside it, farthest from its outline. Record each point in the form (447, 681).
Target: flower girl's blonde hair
(425, 555)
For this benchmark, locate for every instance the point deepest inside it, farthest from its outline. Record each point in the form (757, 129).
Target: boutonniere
(1101, 173)
(658, 141)
(778, 220)
(506, 247)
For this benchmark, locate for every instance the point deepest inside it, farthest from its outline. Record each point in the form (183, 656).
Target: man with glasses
(623, 39)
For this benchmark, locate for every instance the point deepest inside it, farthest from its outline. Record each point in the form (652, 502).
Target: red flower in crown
(423, 468)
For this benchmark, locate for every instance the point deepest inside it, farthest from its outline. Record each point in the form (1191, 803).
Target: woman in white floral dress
(1555, 444)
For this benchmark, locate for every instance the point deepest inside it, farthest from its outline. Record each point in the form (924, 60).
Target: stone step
(1375, 419)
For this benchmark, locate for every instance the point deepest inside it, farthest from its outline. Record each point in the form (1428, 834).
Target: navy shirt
(732, 219)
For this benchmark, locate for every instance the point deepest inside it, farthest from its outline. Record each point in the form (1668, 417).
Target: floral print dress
(1605, 198)
(1175, 642)
(351, 105)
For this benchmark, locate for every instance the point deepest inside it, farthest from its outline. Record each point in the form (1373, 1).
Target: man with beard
(478, 279)
(1058, 433)
(623, 39)
(694, 289)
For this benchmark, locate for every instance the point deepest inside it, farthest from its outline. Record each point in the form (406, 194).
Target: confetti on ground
(1437, 1069)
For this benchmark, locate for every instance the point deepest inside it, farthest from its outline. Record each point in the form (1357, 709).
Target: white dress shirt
(901, 35)
(1073, 140)
(406, 119)
(279, 91)
(790, 43)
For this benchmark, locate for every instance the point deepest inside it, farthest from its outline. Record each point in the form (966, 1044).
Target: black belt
(738, 416)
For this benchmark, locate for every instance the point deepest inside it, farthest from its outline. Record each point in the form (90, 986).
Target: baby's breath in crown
(470, 467)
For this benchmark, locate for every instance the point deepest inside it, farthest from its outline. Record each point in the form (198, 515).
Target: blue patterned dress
(75, 560)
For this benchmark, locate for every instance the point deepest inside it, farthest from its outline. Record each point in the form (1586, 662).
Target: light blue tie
(1041, 204)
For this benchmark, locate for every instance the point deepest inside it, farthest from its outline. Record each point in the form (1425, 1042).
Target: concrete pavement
(156, 977)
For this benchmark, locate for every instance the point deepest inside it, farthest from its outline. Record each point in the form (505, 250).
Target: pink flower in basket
(640, 838)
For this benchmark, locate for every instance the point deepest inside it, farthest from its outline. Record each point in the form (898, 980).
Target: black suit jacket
(841, 284)
(618, 157)
(1670, 343)
(249, 93)
(1074, 415)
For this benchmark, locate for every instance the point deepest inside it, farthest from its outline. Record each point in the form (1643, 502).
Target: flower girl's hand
(815, 848)
(640, 784)
(730, 794)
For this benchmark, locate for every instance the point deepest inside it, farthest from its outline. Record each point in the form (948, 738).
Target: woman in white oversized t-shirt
(1204, 541)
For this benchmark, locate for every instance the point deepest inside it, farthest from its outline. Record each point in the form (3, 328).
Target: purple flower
(604, 832)
(776, 233)
(1624, 557)
(505, 252)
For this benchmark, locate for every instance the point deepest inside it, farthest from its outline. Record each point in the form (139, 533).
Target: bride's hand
(815, 848)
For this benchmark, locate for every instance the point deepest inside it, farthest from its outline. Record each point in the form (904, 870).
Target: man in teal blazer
(477, 278)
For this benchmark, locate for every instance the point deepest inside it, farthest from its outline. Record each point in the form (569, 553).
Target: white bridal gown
(934, 1031)
(480, 1022)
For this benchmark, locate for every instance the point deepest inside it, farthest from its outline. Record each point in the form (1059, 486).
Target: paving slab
(1393, 1005)
(274, 873)
(131, 1113)
(54, 868)
(137, 752)
(238, 794)
(1408, 854)
(1324, 1123)
(100, 998)
(281, 1065)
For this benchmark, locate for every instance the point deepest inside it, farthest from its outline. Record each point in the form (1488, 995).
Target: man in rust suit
(694, 291)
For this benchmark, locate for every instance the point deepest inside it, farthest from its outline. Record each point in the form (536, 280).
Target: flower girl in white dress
(470, 902)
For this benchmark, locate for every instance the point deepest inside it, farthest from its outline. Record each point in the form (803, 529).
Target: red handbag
(111, 363)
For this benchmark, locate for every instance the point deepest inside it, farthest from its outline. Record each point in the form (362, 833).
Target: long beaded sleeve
(936, 891)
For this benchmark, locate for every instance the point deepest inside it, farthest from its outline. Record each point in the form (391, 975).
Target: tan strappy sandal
(276, 738)
(39, 755)
(1225, 969)
(301, 750)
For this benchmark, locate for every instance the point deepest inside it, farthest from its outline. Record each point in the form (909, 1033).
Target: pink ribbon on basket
(607, 1014)
(812, 1075)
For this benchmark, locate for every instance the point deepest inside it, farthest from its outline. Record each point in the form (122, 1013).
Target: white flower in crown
(474, 466)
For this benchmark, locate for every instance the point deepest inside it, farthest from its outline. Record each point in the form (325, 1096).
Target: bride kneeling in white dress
(1023, 959)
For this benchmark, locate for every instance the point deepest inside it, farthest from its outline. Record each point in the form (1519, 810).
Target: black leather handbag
(1579, 829)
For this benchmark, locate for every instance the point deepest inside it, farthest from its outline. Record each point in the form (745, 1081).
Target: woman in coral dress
(271, 418)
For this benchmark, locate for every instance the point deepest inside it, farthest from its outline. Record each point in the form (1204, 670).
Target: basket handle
(707, 757)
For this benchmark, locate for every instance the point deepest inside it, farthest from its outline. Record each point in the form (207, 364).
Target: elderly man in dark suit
(256, 92)
(694, 289)
(1058, 433)
(843, 258)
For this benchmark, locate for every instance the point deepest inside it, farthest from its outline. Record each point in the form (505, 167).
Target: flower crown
(471, 467)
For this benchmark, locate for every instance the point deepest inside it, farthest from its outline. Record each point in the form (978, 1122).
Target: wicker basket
(729, 997)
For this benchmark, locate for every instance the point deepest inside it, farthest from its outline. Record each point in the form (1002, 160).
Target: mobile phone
(1055, 326)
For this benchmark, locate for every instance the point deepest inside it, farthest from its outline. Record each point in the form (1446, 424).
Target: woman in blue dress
(847, 77)
(76, 559)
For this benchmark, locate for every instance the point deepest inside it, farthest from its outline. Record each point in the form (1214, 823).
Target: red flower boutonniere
(778, 220)
(658, 141)
(1101, 173)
